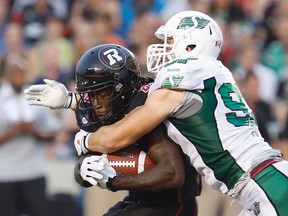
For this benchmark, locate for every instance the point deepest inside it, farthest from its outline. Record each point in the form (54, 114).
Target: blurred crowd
(50, 36)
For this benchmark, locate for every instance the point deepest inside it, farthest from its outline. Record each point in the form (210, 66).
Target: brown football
(131, 160)
(127, 161)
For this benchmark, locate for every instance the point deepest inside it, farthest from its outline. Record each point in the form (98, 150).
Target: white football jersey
(219, 133)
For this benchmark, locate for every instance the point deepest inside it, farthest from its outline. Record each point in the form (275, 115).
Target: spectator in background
(13, 42)
(141, 36)
(49, 63)
(253, 10)
(13, 39)
(249, 86)
(230, 18)
(33, 16)
(226, 10)
(86, 9)
(248, 60)
(267, 23)
(80, 29)
(52, 55)
(275, 57)
(105, 31)
(131, 10)
(56, 30)
(253, 78)
(276, 53)
(96, 21)
(90, 9)
(61, 7)
(23, 132)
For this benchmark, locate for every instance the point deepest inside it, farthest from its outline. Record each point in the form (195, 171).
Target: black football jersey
(192, 185)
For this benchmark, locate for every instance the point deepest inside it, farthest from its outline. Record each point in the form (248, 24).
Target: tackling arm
(134, 125)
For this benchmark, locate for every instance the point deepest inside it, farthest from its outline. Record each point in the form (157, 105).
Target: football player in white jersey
(205, 113)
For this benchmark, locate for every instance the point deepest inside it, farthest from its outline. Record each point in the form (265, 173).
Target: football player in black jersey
(109, 85)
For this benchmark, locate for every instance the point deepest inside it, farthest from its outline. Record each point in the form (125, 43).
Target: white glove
(97, 171)
(81, 142)
(53, 94)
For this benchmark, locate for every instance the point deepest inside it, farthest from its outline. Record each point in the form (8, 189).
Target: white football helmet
(187, 29)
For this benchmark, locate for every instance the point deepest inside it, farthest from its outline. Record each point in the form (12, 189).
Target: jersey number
(234, 101)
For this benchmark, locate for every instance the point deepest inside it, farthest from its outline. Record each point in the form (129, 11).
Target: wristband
(84, 146)
(72, 99)
(109, 185)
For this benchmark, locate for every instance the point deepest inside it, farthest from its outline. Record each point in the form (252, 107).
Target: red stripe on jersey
(181, 204)
(145, 88)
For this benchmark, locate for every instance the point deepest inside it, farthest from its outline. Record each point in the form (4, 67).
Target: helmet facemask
(160, 54)
(106, 110)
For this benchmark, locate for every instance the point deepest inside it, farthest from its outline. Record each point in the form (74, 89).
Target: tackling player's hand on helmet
(81, 141)
(97, 170)
(53, 94)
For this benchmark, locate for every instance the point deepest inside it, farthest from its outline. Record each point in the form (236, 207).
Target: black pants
(153, 208)
(23, 197)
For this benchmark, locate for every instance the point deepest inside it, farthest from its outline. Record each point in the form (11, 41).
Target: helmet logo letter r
(113, 56)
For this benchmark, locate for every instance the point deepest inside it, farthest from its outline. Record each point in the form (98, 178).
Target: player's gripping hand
(97, 170)
(81, 142)
(53, 94)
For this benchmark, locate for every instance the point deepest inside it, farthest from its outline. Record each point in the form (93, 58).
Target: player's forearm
(149, 181)
(134, 125)
(119, 135)
(106, 140)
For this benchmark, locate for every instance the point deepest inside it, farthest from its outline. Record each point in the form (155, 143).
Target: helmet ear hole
(190, 47)
(117, 77)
